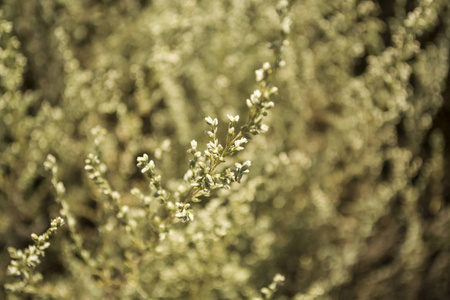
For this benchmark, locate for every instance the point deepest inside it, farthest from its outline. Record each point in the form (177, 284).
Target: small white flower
(255, 99)
(270, 104)
(240, 141)
(274, 90)
(286, 25)
(278, 278)
(233, 119)
(264, 128)
(142, 158)
(259, 75)
(60, 188)
(144, 170)
(209, 121)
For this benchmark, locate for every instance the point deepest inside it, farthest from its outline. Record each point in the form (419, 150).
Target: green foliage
(345, 193)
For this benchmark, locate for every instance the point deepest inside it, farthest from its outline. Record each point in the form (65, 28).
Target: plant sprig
(24, 262)
(203, 175)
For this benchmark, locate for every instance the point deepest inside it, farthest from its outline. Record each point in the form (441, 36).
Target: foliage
(344, 195)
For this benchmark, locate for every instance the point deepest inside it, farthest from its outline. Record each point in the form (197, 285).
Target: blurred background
(348, 194)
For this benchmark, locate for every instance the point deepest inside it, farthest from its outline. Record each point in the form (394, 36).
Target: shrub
(345, 197)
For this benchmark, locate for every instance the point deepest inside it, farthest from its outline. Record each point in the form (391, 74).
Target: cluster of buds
(241, 169)
(184, 212)
(95, 169)
(24, 262)
(272, 288)
(148, 168)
